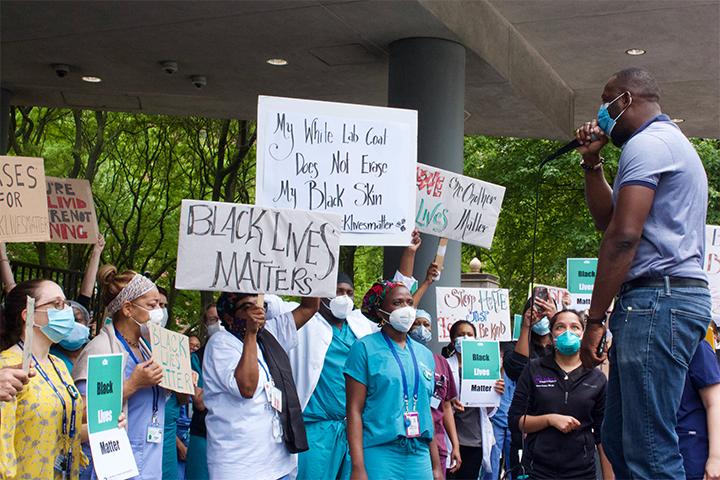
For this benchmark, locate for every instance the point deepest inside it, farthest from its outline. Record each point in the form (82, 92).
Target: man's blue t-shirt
(703, 372)
(660, 157)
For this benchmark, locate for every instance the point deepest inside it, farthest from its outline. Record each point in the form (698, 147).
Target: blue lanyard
(402, 371)
(72, 392)
(155, 388)
(267, 374)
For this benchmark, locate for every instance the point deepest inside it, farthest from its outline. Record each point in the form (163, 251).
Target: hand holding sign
(12, 380)
(146, 374)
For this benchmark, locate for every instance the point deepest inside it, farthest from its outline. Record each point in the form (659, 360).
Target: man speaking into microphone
(651, 257)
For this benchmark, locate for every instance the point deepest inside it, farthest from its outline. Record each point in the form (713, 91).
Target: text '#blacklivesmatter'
(270, 253)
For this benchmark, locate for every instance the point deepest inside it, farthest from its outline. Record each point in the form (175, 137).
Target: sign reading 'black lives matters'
(245, 248)
(354, 160)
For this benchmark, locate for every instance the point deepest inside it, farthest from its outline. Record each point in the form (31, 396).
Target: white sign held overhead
(457, 207)
(354, 160)
(231, 247)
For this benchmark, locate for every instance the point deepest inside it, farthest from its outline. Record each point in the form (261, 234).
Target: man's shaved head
(638, 82)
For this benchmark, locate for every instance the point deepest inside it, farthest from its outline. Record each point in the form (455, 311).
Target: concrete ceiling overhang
(533, 68)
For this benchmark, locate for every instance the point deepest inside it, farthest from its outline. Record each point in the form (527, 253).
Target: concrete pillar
(4, 120)
(428, 75)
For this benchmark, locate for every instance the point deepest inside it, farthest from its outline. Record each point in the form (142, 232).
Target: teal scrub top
(58, 352)
(328, 399)
(372, 363)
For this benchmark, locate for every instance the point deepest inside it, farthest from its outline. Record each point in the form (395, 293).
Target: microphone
(571, 145)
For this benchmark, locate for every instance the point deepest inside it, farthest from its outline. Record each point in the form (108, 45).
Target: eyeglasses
(58, 304)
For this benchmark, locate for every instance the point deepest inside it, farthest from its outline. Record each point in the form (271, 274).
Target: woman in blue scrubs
(389, 383)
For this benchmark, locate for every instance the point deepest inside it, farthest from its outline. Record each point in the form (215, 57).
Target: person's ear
(127, 309)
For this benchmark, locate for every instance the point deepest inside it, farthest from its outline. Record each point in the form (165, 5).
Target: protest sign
(111, 452)
(71, 210)
(455, 206)
(712, 264)
(559, 296)
(488, 309)
(245, 248)
(517, 326)
(480, 370)
(29, 333)
(23, 204)
(580, 281)
(171, 351)
(353, 160)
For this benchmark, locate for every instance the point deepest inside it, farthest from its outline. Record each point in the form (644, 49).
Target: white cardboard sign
(457, 207)
(488, 309)
(232, 247)
(353, 160)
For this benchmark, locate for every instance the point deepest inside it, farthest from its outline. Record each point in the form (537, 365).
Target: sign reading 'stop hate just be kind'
(354, 160)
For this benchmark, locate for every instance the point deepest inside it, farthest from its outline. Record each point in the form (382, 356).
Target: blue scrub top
(328, 399)
(703, 372)
(372, 363)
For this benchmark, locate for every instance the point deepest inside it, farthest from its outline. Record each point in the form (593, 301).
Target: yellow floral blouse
(31, 425)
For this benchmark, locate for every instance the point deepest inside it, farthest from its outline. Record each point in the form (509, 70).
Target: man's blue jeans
(655, 334)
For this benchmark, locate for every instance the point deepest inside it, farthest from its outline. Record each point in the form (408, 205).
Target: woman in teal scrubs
(389, 383)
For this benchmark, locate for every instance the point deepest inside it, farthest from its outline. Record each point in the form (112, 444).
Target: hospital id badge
(434, 402)
(412, 424)
(154, 433)
(276, 400)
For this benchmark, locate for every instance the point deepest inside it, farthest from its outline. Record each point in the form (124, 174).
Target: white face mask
(159, 319)
(341, 306)
(213, 328)
(402, 318)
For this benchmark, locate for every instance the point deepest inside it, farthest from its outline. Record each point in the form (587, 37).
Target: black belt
(659, 282)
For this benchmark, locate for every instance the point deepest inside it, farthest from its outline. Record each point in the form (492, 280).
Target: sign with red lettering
(71, 211)
(23, 209)
(488, 309)
(454, 206)
(712, 264)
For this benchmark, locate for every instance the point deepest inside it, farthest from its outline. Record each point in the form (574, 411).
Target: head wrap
(81, 308)
(345, 278)
(420, 313)
(374, 298)
(137, 287)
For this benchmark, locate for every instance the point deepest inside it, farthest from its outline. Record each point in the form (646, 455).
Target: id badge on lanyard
(411, 418)
(154, 431)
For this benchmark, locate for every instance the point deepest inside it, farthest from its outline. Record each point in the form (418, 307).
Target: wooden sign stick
(440, 256)
(28, 341)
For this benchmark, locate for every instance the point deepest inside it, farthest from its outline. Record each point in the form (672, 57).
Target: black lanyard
(402, 372)
(155, 388)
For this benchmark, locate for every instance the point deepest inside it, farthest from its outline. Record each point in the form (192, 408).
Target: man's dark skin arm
(617, 251)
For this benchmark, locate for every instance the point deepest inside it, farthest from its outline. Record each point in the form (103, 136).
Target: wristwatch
(591, 168)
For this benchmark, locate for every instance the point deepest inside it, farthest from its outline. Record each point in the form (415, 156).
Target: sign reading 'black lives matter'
(354, 160)
(245, 248)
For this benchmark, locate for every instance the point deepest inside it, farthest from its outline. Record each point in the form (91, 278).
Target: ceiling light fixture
(678, 120)
(91, 79)
(635, 51)
(278, 62)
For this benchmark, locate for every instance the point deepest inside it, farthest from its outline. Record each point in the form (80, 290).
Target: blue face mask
(78, 337)
(60, 323)
(605, 121)
(421, 334)
(567, 343)
(541, 327)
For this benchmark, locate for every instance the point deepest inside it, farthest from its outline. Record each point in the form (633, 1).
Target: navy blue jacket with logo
(544, 388)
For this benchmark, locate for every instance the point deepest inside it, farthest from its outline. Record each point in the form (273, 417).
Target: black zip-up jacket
(544, 388)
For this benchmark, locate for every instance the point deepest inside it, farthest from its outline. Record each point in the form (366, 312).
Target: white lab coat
(314, 339)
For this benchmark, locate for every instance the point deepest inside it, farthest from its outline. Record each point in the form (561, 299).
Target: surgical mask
(341, 306)
(605, 121)
(213, 328)
(402, 318)
(60, 323)
(458, 343)
(567, 343)
(542, 327)
(77, 338)
(158, 319)
(421, 334)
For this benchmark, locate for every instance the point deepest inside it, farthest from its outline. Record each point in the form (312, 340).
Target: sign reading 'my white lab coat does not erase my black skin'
(354, 160)
(454, 206)
(246, 248)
